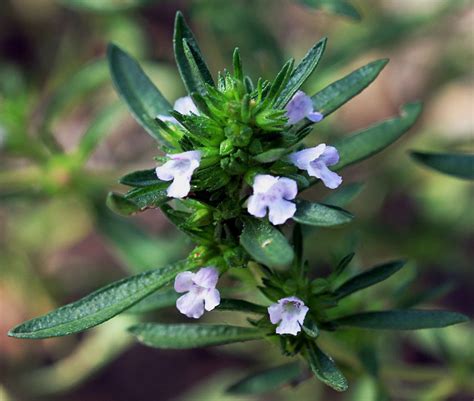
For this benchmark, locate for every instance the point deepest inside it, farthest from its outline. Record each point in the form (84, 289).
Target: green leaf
(368, 278)
(182, 34)
(271, 155)
(343, 195)
(455, 164)
(320, 215)
(158, 300)
(301, 73)
(99, 128)
(265, 243)
(121, 205)
(241, 306)
(143, 99)
(343, 263)
(143, 178)
(401, 319)
(324, 368)
(336, 94)
(365, 143)
(99, 306)
(138, 199)
(266, 380)
(184, 336)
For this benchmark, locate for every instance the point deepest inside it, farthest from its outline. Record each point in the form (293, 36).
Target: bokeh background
(65, 139)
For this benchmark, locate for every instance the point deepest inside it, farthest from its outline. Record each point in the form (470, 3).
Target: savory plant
(231, 180)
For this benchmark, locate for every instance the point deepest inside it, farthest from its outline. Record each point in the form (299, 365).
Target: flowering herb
(234, 169)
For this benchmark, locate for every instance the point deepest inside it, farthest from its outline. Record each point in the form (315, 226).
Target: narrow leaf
(301, 73)
(138, 199)
(401, 319)
(365, 143)
(368, 278)
(241, 306)
(336, 94)
(345, 194)
(182, 32)
(324, 368)
(149, 197)
(143, 99)
(344, 262)
(265, 243)
(183, 336)
(143, 178)
(458, 165)
(120, 205)
(320, 215)
(99, 306)
(271, 155)
(158, 300)
(266, 380)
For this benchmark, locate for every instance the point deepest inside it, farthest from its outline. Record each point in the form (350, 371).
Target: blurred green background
(65, 139)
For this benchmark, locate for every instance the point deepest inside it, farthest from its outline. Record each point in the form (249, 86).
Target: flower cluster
(272, 195)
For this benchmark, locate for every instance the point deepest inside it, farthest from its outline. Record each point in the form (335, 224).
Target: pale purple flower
(274, 194)
(290, 313)
(201, 291)
(301, 106)
(316, 161)
(183, 105)
(180, 169)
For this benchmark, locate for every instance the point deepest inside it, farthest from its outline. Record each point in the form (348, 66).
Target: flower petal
(189, 155)
(298, 107)
(256, 206)
(212, 299)
(288, 326)
(179, 188)
(302, 158)
(280, 211)
(287, 187)
(164, 172)
(185, 105)
(330, 156)
(329, 178)
(315, 116)
(263, 182)
(184, 281)
(191, 304)
(167, 119)
(206, 277)
(275, 312)
(302, 311)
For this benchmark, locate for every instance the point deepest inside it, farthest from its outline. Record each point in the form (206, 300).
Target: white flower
(301, 106)
(274, 194)
(290, 313)
(201, 292)
(180, 169)
(315, 161)
(183, 105)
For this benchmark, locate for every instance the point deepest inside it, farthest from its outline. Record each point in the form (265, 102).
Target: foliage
(241, 131)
